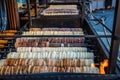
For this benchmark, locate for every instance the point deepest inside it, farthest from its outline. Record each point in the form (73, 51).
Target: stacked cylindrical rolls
(33, 56)
(4, 41)
(27, 61)
(51, 55)
(28, 66)
(12, 70)
(51, 41)
(55, 29)
(49, 49)
(53, 33)
(61, 10)
(47, 62)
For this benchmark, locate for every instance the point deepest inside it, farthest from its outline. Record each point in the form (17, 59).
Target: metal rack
(70, 76)
(113, 53)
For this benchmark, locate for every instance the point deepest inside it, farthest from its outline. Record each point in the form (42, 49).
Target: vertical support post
(13, 15)
(115, 42)
(29, 13)
(36, 2)
(83, 11)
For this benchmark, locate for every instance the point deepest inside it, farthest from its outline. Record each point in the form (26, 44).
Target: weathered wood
(13, 15)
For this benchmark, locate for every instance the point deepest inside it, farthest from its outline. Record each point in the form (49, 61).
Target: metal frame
(61, 76)
(83, 11)
(86, 36)
(29, 13)
(102, 47)
(115, 41)
(36, 14)
(96, 19)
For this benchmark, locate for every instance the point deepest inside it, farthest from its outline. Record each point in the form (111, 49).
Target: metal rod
(115, 42)
(96, 19)
(53, 46)
(101, 22)
(105, 32)
(104, 26)
(86, 36)
(101, 45)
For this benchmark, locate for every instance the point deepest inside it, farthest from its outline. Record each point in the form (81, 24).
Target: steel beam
(83, 11)
(29, 13)
(36, 4)
(115, 41)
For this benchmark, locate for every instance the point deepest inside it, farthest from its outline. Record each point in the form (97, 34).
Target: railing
(114, 44)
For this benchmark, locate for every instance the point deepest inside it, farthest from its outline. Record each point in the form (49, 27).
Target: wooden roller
(34, 29)
(3, 41)
(2, 46)
(7, 34)
(8, 38)
(10, 31)
(11, 70)
(55, 29)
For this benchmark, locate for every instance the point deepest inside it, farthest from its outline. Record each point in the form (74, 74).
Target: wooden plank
(13, 15)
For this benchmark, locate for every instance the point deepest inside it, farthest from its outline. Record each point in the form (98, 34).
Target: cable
(105, 32)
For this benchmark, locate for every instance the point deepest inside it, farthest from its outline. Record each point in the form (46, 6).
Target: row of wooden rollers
(4, 41)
